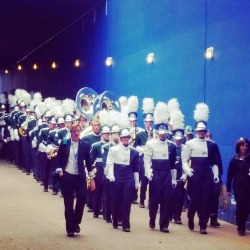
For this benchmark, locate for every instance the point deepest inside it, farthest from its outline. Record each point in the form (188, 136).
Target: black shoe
(214, 223)
(54, 192)
(108, 220)
(164, 230)
(135, 202)
(242, 232)
(27, 173)
(45, 190)
(119, 223)
(70, 234)
(142, 204)
(190, 224)
(126, 229)
(95, 215)
(151, 224)
(115, 225)
(203, 231)
(77, 229)
(90, 210)
(178, 222)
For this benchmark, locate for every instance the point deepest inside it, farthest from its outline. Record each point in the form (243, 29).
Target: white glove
(173, 175)
(149, 174)
(34, 143)
(42, 147)
(110, 174)
(189, 171)
(111, 178)
(16, 136)
(58, 170)
(184, 177)
(216, 173)
(49, 148)
(137, 182)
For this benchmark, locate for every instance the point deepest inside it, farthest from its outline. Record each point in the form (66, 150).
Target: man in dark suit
(73, 157)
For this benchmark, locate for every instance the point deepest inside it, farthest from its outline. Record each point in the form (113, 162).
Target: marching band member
(114, 140)
(123, 173)
(159, 163)
(141, 139)
(73, 158)
(96, 161)
(202, 172)
(91, 138)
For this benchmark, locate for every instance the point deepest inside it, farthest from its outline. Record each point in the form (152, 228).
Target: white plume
(123, 121)
(124, 104)
(148, 105)
(133, 104)
(201, 112)
(12, 100)
(25, 97)
(40, 109)
(161, 114)
(113, 117)
(177, 119)
(103, 117)
(37, 97)
(68, 106)
(173, 105)
(58, 111)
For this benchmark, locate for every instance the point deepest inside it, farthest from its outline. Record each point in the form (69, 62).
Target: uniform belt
(98, 160)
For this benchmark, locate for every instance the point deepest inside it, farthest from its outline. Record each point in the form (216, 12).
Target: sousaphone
(84, 101)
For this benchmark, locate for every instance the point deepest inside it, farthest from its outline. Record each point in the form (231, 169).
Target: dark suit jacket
(83, 157)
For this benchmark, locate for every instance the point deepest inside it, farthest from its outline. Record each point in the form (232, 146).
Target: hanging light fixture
(19, 67)
(53, 65)
(209, 54)
(109, 61)
(150, 58)
(35, 67)
(77, 63)
(6, 71)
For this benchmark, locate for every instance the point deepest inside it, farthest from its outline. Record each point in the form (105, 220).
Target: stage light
(77, 63)
(109, 61)
(53, 65)
(150, 58)
(209, 54)
(6, 71)
(35, 67)
(19, 67)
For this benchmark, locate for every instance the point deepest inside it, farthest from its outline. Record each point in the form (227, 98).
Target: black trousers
(98, 192)
(160, 194)
(70, 185)
(242, 198)
(122, 194)
(106, 200)
(200, 192)
(177, 200)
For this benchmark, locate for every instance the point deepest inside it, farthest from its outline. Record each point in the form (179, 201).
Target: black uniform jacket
(83, 157)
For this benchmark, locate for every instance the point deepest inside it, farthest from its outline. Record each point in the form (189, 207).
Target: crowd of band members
(124, 162)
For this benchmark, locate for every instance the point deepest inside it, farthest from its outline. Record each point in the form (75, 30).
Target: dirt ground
(32, 219)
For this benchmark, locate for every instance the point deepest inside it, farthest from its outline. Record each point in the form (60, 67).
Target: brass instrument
(108, 101)
(53, 153)
(22, 131)
(84, 100)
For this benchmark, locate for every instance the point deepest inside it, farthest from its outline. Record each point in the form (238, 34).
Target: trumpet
(53, 153)
(22, 131)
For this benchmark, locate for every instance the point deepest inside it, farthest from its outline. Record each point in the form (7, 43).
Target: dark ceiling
(25, 25)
